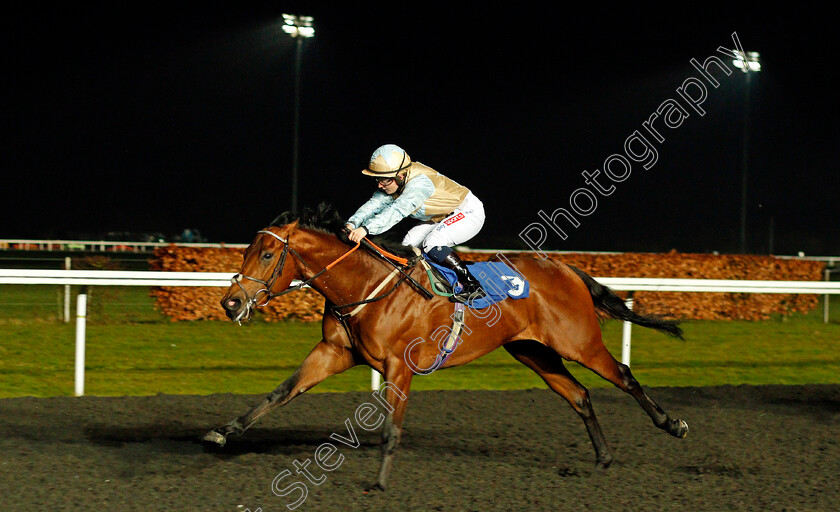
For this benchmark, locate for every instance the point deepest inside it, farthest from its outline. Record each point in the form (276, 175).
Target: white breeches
(464, 223)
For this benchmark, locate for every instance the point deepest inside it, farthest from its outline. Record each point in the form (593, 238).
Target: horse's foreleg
(325, 359)
(396, 386)
(549, 365)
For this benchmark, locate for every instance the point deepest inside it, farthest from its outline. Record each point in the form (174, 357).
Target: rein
(278, 269)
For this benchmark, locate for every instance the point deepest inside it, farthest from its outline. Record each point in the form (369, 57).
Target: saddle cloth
(498, 280)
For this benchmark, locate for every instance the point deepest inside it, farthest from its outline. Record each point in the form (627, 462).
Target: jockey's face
(387, 185)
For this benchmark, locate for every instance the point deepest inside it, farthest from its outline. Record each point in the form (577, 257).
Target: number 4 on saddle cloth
(498, 280)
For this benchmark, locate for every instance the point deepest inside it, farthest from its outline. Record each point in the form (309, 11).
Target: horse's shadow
(182, 439)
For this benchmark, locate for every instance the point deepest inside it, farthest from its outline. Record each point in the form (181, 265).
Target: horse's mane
(325, 218)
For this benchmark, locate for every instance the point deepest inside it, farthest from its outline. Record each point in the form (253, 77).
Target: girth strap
(376, 290)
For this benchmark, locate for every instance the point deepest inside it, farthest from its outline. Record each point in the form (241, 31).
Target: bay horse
(557, 321)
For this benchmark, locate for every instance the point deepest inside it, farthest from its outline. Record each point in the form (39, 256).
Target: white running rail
(222, 279)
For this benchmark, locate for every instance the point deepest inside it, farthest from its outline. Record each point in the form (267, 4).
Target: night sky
(135, 117)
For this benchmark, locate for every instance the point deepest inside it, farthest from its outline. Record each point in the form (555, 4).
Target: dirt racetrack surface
(749, 448)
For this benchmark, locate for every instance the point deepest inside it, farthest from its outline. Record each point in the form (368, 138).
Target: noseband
(278, 269)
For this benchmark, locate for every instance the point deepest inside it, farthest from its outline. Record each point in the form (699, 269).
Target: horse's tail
(611, 304)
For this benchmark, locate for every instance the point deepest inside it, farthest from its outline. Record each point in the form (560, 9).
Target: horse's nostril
(231, 304)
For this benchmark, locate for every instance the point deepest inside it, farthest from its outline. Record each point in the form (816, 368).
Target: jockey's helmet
(387, 161)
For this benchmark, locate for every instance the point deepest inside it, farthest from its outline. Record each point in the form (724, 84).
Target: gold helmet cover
(387, 161)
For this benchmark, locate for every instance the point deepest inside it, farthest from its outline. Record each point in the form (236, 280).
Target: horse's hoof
(682, 429)
(215, 438)
(603, 463)
(377, 487)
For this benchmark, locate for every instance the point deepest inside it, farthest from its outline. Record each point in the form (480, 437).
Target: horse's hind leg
(604, 364)
(549, 365)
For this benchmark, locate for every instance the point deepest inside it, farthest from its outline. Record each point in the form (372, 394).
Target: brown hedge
(182, 303)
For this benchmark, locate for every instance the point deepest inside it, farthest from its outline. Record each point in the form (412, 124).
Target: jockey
(449, 212)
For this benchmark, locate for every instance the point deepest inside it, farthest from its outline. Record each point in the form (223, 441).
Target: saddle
(440, 284)
(442, 280)
(498, 280)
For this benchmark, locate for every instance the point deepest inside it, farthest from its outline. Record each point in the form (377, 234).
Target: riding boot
(471, 286)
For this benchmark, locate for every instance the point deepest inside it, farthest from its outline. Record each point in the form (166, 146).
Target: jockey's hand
(357, 234)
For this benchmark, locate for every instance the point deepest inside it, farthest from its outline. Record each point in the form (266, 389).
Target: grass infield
(133, 350)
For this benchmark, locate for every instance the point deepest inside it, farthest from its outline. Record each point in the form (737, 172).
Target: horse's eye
(268, 256)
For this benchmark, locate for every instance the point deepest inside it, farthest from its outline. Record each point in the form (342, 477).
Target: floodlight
(298, 25)
(751, 61)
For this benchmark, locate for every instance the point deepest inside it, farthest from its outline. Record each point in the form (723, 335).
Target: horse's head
(267, 270)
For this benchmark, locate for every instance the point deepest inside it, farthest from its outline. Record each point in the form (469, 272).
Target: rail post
(827, 273)
(625, 333)
(67, 293)
(81, 318)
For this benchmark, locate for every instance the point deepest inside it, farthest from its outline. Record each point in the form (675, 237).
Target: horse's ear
(291, 227)
(283, 219)
(283, 231)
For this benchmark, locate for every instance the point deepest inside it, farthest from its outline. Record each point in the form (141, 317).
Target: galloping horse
(557, 321)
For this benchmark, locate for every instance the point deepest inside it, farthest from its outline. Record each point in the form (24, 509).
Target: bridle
(334, 309)
(278, 269)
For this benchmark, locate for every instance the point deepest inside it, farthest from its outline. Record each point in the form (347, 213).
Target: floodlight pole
(745, 165)
(749, 64)
(296, 136)
(298, 27)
